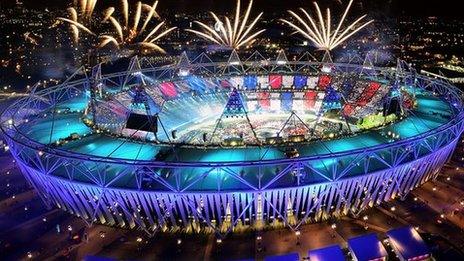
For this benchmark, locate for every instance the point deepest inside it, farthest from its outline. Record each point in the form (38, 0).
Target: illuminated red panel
(264, 100)
(275, 81)
(324, 81)
(368, 93)
(168, 89)
(310, 99)
(348, 109)
(374, 85)
(225, 84)
(408, 103)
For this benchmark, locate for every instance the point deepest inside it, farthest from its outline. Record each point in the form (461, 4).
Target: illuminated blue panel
(333, 253)
(286, 257)
(196, 84)
(287, 101)
(299, 81)
(347, 87)
(250, 82)
(63, 126)
(75, 104)
(104, 146)
(332, 99)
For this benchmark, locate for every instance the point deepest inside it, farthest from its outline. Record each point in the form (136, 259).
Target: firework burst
(320, 31)
(232, 33)
(80, 17)
(31, 38)
(133, 34)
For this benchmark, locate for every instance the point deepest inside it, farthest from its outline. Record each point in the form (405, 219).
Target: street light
(139, 243)
(333, 226)
(365, 218)
(297, 234)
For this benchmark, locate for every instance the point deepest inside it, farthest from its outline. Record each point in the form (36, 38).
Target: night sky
(442, 8)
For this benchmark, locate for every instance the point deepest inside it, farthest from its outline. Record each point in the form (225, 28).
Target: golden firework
(128, 35)
(79, 17)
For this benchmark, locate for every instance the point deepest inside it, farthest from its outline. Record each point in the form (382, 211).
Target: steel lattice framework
(88, 185)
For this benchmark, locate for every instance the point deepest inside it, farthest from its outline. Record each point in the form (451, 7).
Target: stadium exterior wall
(223, 212)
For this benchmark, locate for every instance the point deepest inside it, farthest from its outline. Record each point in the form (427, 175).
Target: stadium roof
(407, 243)
(286, 257)
(367, 247)
(330, 253)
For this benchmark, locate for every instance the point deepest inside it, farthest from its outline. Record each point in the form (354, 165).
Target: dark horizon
(393, 8)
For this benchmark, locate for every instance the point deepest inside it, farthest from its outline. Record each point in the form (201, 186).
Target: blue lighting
(300, 81)
(250, 82)
(287, 101)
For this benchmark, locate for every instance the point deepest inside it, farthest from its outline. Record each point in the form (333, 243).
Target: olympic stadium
(244, 143)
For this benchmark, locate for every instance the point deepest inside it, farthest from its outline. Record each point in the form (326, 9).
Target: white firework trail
(320, 31)
(235, 33)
